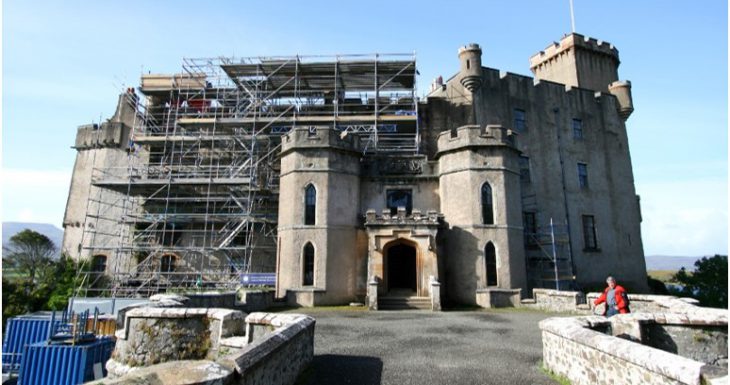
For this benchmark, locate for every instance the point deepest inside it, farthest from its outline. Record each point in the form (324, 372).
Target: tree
(708, 283)
(29, 253)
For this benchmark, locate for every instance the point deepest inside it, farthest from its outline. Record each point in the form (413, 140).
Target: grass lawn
(664, 275)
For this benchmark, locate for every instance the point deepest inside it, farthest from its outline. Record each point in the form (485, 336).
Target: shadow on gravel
(338, 369)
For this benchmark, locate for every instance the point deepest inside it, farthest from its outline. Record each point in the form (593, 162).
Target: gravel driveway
(421, 347)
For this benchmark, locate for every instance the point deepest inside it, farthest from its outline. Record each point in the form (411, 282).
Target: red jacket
(619, 293)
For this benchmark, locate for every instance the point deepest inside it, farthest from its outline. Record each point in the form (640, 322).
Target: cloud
(34, 195)
(687, 218)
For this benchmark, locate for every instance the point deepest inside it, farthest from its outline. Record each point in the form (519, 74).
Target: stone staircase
(404, 303)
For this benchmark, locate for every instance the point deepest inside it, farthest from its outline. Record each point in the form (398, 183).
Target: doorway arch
(401, 267)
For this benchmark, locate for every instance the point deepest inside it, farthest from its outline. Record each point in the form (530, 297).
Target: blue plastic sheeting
(45, 364)
(105, 305)
(265, 279)
(20, 332)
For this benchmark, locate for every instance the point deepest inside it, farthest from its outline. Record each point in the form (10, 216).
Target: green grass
(664, 275)
(555, 377)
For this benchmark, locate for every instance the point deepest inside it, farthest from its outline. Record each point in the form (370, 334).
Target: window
(399, 198)
(529, 223)
(490, 264)
(98, 264)
(583, 175)
(524, 169)
(577, 129)
(520, 120)
(590, 241)
(167, 263)
(310, 204)
(487, 207)
(308, 274)
(171, 234)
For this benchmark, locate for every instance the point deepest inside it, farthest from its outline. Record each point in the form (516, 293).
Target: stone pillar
(435, 295)
(373, 294)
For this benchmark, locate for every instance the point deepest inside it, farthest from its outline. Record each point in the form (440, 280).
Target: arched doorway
(401, 269)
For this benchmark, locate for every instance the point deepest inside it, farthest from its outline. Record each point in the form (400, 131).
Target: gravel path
(421, 347)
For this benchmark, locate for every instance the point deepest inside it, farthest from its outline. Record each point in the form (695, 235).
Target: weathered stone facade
(501, 163)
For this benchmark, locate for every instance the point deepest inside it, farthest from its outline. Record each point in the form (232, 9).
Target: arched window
(310, 204)
(308, 274)
(490, 264)
(487, 207)
(98, 264)
(167, 263)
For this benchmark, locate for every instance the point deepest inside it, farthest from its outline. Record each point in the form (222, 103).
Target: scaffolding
(548, 254)
(196, 204)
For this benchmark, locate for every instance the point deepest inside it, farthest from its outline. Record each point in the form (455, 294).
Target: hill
(665, 262)
(51, 231)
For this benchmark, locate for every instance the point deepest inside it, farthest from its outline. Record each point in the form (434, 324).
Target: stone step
(404, 303)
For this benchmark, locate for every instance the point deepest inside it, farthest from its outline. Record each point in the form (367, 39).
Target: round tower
(470, 57)
(318, 216)
(480, 196)
(622, 91)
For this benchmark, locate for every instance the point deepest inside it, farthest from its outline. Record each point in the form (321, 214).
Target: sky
(65, 62)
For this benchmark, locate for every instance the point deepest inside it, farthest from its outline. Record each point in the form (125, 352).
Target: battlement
(109, 134)
(575, 41)
(319, 137)
(475, 136)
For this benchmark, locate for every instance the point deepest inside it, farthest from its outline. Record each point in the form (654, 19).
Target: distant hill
(664, 262)
(51, 231)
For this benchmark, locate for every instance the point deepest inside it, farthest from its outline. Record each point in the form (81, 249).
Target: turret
(470, 57)
(622, 91)
(578, 61)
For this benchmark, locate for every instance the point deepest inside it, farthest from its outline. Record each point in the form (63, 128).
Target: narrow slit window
(310, 205)
(490, 264)
(487, 206)
(308, 275)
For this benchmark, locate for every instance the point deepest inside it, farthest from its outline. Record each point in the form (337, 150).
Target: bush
(708, 283)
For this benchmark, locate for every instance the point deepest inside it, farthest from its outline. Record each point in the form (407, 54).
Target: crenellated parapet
(402, 218)
(109, 135)
(468, 136)
(315, 137)
(573, 41)
(578, 61)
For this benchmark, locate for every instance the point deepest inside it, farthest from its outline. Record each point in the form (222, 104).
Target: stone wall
(639, 348)
(154, 335)
(580, 303)
(276, 358)
(276, 353)
(557, 301)
(494, 297)
(254, 300)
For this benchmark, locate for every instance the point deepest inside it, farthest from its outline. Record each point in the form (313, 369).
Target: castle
(333, 173)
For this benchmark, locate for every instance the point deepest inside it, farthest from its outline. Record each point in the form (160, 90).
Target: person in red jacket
(615, 298)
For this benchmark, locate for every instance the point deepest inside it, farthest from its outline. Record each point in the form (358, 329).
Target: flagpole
(572, 17)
